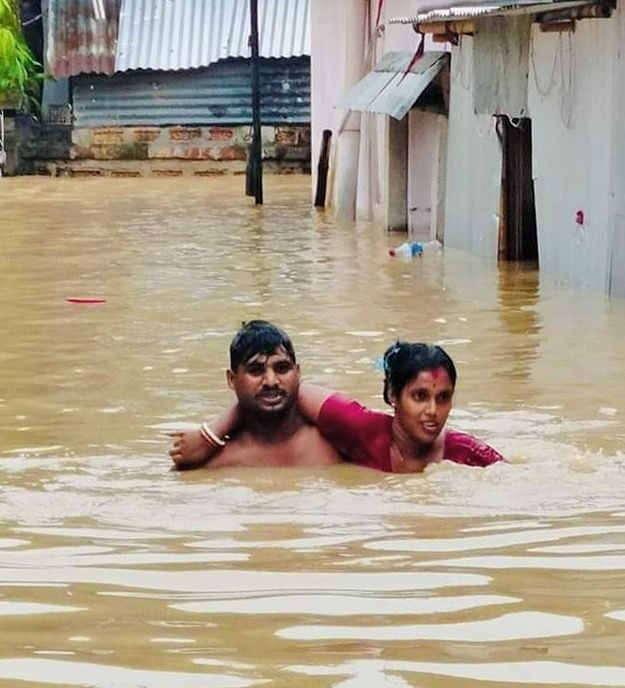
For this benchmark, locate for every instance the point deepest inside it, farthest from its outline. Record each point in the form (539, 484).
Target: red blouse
(364, 436)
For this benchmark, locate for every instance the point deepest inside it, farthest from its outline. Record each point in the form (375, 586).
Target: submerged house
(386, 106)
(536, 144)
(163, 87)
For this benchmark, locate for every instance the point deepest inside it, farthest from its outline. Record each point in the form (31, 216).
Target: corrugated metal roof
(80, 36)
(460, 12)
(389, 89)
(186, 34)
(219, 94)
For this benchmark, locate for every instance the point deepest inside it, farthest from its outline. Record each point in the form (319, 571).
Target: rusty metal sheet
(80, 36)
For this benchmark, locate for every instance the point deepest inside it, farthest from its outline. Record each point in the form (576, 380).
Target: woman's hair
(403, 361)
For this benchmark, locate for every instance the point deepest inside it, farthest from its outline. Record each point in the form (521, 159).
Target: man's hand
(189, 449)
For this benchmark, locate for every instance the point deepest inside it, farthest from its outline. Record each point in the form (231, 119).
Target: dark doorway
(517, 225)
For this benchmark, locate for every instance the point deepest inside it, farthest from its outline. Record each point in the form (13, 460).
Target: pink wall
(337, 51)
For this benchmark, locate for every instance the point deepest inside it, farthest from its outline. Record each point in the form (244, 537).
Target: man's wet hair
(258, 337)
(403, 361)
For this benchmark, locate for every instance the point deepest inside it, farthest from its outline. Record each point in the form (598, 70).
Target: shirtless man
(270, 431)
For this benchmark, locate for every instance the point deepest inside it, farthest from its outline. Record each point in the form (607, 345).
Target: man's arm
(310, 400)
(190, 449)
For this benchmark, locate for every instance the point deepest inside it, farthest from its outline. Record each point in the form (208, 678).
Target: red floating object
(75, 299)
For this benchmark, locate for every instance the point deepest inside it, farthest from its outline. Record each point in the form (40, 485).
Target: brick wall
(158, 151)
(186, 150)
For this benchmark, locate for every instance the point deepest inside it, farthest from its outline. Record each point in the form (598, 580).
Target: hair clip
(391, 352)
(379, 364)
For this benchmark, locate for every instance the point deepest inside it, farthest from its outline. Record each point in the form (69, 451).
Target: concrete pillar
(438, 192)
(338, 31)
(426, 174)
(397, 175)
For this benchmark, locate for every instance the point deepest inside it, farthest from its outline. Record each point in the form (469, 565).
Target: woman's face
(424, 404)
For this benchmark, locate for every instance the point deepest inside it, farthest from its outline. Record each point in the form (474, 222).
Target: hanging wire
(544, 91)
(415, 58)
(32, 20)
(567, 103)
(562, 77)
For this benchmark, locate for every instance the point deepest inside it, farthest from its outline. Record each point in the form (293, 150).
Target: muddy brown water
(116, 572)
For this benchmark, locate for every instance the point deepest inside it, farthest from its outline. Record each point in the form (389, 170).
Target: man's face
(266, 384)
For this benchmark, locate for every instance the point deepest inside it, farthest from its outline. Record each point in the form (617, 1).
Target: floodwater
(117, 573)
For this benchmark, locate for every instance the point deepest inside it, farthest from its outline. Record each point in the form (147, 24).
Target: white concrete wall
(337, 51)
(616, 229)
(378, 170)
(473, 165)
(397, 179)
(424, 134)
(570, 99)
(576, 100)
(401, 36)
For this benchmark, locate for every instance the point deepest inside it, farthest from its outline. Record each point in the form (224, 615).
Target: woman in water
(419, 384)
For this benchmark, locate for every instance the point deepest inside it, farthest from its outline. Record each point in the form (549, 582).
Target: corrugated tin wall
(80, 36)
(219, 94)
(186, 34)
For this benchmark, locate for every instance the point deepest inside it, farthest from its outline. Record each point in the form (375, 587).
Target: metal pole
(3, 155)
(256, 152)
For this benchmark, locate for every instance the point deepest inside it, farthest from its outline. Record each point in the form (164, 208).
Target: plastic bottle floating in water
(409, 249)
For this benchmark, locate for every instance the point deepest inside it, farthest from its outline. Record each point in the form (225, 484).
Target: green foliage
(20, 73)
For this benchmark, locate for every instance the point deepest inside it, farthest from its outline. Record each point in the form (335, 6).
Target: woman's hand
(190, 450)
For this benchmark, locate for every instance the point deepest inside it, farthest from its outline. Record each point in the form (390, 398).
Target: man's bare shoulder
(305, 447)
(308, 447)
